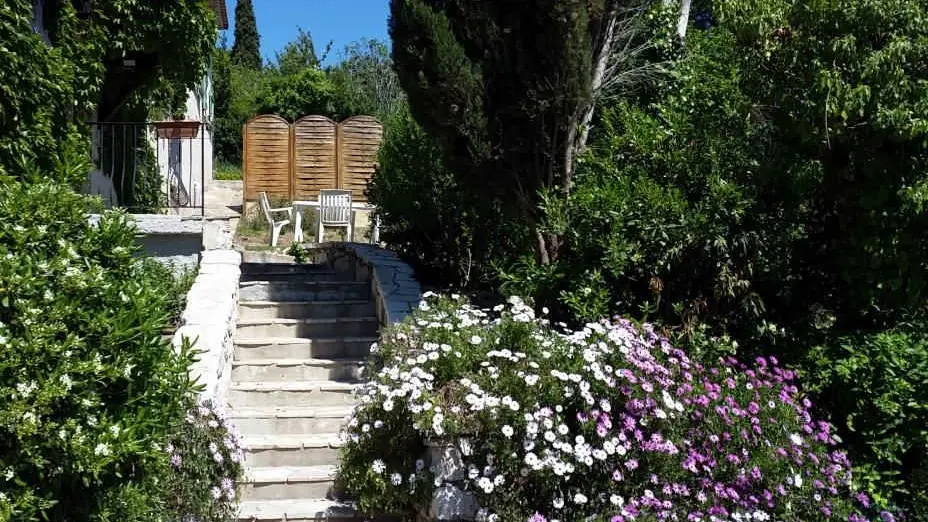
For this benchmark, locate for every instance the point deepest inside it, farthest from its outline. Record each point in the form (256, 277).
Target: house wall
(185, 164)
(190, 164)
(99, 184)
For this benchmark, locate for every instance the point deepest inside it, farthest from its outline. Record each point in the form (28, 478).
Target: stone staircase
(301, 342)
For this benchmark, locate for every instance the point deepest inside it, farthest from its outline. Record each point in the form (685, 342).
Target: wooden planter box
(171, 129)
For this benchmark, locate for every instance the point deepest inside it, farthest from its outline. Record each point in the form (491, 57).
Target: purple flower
(537, 517)
(175, 461)
(863, 499)
(631, 464)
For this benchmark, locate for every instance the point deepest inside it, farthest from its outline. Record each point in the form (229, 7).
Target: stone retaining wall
(210, 317)
(396, 294)
(394, 288)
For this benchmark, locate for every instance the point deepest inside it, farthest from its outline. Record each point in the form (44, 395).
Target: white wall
(190, 163)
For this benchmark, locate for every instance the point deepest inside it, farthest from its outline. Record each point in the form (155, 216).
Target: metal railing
(147, 167)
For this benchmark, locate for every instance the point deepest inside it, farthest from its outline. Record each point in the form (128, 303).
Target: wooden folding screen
(359, 140)
(315, 165)
(296, 161)
(266, 157)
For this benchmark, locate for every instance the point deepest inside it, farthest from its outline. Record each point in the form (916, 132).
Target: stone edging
(394, 288)
(209, 321)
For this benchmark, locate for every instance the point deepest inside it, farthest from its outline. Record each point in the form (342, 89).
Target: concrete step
(291, 450)
(293, 277)
(254, 310)
(304, 291)
(295, 510)
(344, 370)
(253, 268)
(249, 349)
(291, 394)
(291, 482)
(290, 421)
(332, 327)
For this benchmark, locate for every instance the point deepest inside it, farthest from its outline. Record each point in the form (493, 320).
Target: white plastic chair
(276, 225)
(334, 211)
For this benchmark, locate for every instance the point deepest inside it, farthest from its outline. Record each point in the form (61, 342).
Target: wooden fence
(295, 161)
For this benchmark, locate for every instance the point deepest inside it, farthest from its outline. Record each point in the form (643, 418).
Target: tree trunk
(684, 19)
(548, 246)
(578, 128)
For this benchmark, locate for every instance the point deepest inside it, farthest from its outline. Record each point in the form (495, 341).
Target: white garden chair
(276, 225)
(334, 211)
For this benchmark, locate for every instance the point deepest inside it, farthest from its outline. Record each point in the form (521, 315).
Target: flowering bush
(89, 390)
(607, 423)
(206, 460)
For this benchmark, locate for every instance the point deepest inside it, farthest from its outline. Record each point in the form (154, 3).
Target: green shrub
(610, 422)
(440, 226)
(875, 384)
(207, 463)
(90, 390)
(172, 284)
(228, 171)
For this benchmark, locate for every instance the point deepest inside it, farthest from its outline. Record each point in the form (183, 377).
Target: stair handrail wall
(209, 321)
(394, 288)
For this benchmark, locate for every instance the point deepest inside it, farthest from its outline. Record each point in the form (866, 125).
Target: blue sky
(341, 21)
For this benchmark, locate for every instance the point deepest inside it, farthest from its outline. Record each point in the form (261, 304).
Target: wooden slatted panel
(359, 139)
(315, 166)
(266, 159)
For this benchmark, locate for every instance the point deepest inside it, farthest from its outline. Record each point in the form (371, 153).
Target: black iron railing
(151, 166)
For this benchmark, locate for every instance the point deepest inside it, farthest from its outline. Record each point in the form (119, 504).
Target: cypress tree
(246, 50)
(507, 87)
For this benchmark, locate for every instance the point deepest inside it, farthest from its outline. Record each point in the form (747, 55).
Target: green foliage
(91, 390)
(227, 132)
(297, 55)
(246, 86)
(307, 91)
(207, 464)
(739, 202)
(503, 87)
(173, 284)
(228, 171)
(858, 108)
(45, 89)
(246, 48)
(35, 82)
(298, 252)
(445, 228)
(874, 384)
(366, 83)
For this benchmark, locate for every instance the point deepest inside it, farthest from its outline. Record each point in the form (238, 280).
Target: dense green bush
(610, 422)
(207, 463)
(875, 385)
(304, 92)
(672, 215)
(726, 208)
(45, 90)
(90, 390)
(428, 216)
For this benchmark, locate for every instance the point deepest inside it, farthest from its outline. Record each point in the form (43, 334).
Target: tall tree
(246, 50)
(508, 87)
(298, 55)
(366, 82)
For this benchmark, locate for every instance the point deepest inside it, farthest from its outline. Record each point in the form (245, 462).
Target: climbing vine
(99, 56)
